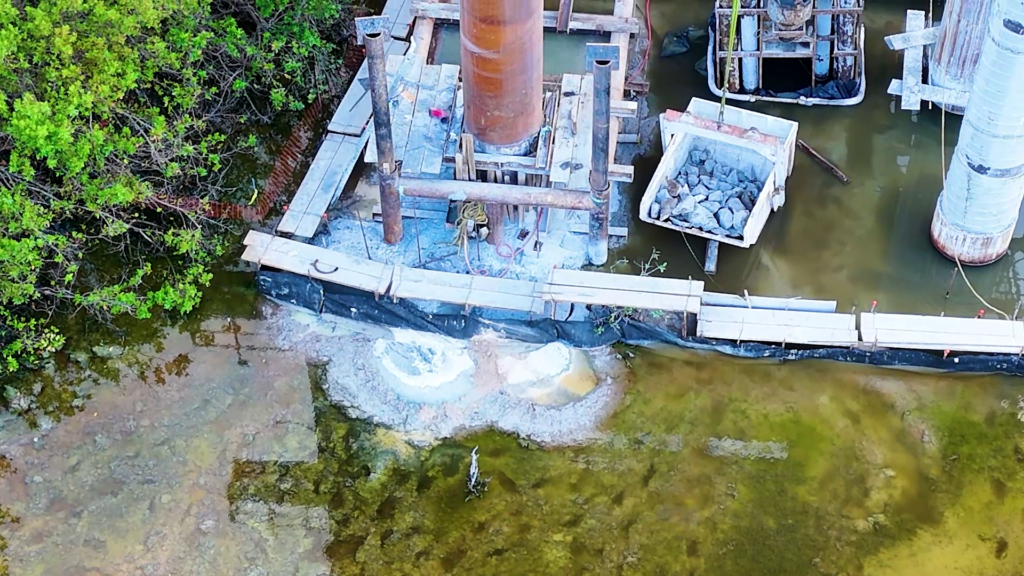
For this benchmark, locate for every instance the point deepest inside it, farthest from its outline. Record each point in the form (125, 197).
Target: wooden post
(711, 258)
(387, 173)
(597, 248)
(564, 15)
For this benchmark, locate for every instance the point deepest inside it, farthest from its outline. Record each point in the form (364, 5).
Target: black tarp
(328, 298)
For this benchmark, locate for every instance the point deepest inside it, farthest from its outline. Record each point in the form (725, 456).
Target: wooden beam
(577, 23)
(935, 94)
(913, 63)
(911, 39)
(624, 108)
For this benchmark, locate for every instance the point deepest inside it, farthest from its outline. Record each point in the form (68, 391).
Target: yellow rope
(471, 212)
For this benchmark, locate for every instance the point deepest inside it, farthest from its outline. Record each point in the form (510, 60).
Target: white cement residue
(548, 361)
(422, 360)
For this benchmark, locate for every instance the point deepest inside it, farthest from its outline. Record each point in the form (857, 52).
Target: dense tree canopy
(109, 110)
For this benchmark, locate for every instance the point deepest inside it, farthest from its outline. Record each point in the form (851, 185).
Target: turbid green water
(195, 452)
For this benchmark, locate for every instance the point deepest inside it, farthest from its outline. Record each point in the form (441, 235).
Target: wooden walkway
(940, 333)
(623, 290)
(778, 326)
(786, 327)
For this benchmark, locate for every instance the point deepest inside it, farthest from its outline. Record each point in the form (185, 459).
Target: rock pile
(708, 195)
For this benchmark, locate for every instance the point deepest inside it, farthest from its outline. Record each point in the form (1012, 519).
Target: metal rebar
(387, 177)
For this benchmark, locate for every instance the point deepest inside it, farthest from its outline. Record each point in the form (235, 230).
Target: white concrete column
(979, 205)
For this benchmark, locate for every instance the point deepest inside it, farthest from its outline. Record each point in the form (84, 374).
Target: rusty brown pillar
(503, 72)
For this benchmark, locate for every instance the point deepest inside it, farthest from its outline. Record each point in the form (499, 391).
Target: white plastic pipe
(822, 48)
(981, 199)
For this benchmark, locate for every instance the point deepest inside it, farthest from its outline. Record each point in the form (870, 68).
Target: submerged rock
(729, 447)
(107, 351)
(675, 43)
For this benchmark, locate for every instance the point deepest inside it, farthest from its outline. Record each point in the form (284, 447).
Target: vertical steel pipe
(846, 40)
(955, 54)
(981, 197)
(390, 202)
(597, 248)
(503, 71)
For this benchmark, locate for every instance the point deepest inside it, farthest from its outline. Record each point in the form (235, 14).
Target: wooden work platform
(623, 290)
(778, 326)
(323, 183)
(941, 333)
(353, 114)
(427, 115)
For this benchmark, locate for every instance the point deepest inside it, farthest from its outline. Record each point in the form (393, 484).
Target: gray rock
(687, 170)
(719, 231)
(104, 351)
(704, 154)
(692, 180)
(672, 187)
(732, 178)
(666, 208)
(747, 199)
(753, 187)
(695, 156)
(742, 176)
(739, 220)
(685, 205)
(655, 209)
(723, 185)
(709, 182)
(661, 196)
(724, 217)
(710, 165)
(678, 221)
(717, 196)
(79, 357)
(711, 206)
(699, 190)
(701, 217)
(735, 205)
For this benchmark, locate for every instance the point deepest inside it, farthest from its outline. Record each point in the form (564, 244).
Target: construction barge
(538, 186)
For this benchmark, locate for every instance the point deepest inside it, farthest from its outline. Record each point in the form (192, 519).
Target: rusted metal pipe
(387, 175)
(496, 193)
(597, 248)
(503, 70)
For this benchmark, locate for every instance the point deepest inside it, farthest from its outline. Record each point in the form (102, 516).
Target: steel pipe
(955, 55)
(600, 187)
(390, 202)
(502, 45)
(496, 193)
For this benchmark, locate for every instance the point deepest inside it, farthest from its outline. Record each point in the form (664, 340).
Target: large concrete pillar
(503, 72)
(955, 54)
(978, 207)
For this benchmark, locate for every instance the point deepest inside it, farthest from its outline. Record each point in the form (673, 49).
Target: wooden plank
(584, 228)
(577, 23)
(911, 39)
(547, 130)
(401, 114)
(322, 264)
(711, 258)
(562, 146)
(342, 165)
(624, 108)
(414, 213)
(621, 9)
(310, 184)
(466, 290)
(451, 147)
(355, 109)
(400, 14)
(564, 15)
(784, 326)
(421, 121)
(942, 333)
(626, 282)
(935, 94)
(583, 145)
(767, 303)
(619, 298)
(913, 65)
(444, 99)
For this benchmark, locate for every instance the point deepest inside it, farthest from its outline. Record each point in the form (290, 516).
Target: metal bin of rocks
(720, 181)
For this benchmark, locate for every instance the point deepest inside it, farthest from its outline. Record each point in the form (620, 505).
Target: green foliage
(111, 111)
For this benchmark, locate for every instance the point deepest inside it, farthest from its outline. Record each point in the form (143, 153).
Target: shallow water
(217, 454)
